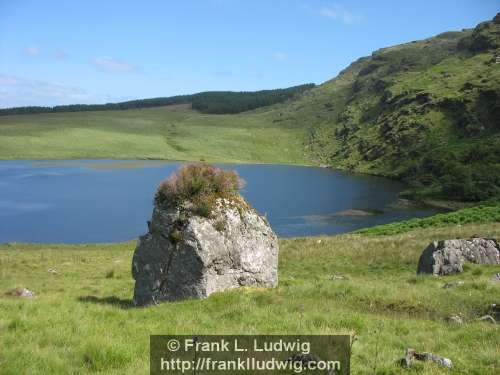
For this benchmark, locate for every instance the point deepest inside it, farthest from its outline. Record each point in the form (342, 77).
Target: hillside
(172, 133)
(427, 112)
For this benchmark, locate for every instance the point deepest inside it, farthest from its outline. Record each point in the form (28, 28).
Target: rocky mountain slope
(427, 112)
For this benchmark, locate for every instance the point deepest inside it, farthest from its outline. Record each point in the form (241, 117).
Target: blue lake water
(82, 201)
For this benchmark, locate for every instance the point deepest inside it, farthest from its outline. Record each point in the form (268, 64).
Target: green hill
(427, 112)
(173, 132)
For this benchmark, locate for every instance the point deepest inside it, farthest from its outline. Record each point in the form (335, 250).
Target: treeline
(207, 102)
(234, 102)
(132, 104)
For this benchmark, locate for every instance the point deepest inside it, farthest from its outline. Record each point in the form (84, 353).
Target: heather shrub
(198, 186)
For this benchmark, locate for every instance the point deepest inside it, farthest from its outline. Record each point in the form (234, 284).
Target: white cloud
(32, 51)
(337, 13)
(110, 65)
(19, 92)
(8, 80)
(16, 91)
(280, 56)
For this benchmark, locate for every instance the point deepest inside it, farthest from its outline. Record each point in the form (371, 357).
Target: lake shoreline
(215, 161)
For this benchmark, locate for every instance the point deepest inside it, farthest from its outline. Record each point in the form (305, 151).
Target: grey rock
(481, 250)
(453, 284)
(447, 257)
(412, 355)
(192, 257)
(487, 318)
(337, 277)
(21, 293)
(407, 360)
(494, 311)
(445, 362)
(456, 319)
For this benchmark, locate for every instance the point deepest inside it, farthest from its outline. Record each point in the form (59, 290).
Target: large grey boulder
(447, 257)
(188, 256)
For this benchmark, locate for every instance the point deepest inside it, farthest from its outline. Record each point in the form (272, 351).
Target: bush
(199, 185)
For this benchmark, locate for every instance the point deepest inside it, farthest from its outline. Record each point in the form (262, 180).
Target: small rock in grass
(407, 360)
(446, 362)
(337, 277)
(495, 311)
(412, 355)
(452, 284)
(487, 318)
(457, 319)
(318, 241)
(21, 292)
(52, 271)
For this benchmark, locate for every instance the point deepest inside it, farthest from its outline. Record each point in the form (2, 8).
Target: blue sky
(62, 52)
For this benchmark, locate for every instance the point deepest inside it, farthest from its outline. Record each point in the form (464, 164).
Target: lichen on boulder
(203, 238)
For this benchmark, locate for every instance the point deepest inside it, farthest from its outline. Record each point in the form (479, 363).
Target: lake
(82, 201)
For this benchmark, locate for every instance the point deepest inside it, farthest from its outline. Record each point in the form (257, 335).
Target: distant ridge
(219, 102)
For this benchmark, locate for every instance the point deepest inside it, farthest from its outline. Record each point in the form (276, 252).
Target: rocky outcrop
(447, 257)
(189, 256)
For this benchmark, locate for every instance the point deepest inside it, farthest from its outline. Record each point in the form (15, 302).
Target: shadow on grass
(111, 300)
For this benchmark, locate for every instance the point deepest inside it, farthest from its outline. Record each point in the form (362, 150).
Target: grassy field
(173, 132)
(83, 322)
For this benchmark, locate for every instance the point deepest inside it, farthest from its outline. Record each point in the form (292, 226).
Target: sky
(95, 51)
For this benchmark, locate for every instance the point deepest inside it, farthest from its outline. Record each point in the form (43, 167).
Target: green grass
(487, 213)
(173, 132)
(82, 320)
